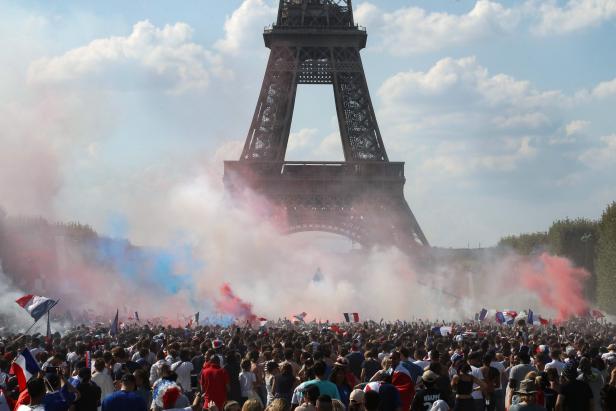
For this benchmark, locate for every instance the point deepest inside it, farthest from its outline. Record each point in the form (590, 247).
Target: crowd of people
(283, 366)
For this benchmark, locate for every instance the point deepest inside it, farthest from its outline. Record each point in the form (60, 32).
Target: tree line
(590, 244)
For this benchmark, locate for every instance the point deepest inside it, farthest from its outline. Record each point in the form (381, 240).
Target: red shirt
(24, 398)
(213, 381)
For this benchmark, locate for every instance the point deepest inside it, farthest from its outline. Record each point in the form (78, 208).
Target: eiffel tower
(317, 42)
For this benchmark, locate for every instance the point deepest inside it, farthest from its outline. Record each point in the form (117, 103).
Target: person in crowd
(248, 381)
(574, 394)
(214, 382)
(339, 378)
(426, 397)
(125, 399)
(36, 391)
(271, 372)
(284, 383)
(143, 388)
(527, 397)
(183, 368)
(462, 384)
(89, 393)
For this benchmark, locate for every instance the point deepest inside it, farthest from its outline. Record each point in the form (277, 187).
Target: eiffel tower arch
(317, 42)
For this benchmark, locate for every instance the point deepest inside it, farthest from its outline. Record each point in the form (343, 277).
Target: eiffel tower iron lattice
(317, 42)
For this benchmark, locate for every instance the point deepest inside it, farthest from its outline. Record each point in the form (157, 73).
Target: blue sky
(502, 111)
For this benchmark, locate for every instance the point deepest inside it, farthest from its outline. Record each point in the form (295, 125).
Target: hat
(357, 396)
(527, 387)
(429, 376)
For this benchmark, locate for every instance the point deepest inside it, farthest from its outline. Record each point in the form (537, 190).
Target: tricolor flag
(510, 316)
(262, 321)
(355, 316)
(24, 367)
(597, 314)
(443, 331)
(500, 318)
(300, 316)
(482, 314)
(530, 317)
(543, 321)
(113, 330)
(36, 306)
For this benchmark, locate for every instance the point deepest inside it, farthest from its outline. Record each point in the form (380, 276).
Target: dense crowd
(284, 366)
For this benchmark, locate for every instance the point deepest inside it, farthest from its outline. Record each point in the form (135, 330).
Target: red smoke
(557, 282)
(233, 305)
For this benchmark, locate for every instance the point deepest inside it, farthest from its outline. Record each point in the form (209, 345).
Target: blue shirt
(58, 400)
(124, 401)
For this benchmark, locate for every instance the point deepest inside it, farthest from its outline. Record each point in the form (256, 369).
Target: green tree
(525, 244)
(576, 240)
(606, 260)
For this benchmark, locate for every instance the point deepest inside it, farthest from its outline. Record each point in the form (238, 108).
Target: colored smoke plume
(231, 304)
(557, 282)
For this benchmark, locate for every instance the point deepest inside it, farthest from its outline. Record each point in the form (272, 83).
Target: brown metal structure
(317, 42)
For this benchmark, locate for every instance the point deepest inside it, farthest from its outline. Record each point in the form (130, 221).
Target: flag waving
(113, 330)
(24, 367)
(300, 317)
(36, 306)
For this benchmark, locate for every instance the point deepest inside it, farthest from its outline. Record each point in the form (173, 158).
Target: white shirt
(183, 369)
(501, 370)
(559, 365)
(105, 383)
(155, 371)
(476, 372)
(247, 381)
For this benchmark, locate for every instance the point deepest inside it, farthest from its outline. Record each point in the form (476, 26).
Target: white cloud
(602, 156)
(573, 16)
(163, 57)
(575, 127)
(243, 26)
(605, 89)
(411, 30)
(301, 139)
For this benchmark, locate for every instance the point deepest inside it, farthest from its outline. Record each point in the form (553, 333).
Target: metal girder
(316, 42)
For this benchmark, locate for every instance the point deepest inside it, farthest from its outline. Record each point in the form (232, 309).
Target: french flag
(24, 367)
(36, 306)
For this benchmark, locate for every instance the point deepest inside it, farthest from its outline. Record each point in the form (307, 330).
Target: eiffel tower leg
(359, 130)
(271, 123)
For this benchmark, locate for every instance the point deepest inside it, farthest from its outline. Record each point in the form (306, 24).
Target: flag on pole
(349, 316)
(500, 318)
(113, 330)
(482, 314)
(24, 367)
(543, 321)
(262, 321)
(48, 333)
(196, 318)
(530, 317)
(137, 316)
(36, 306)
(300, 317)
